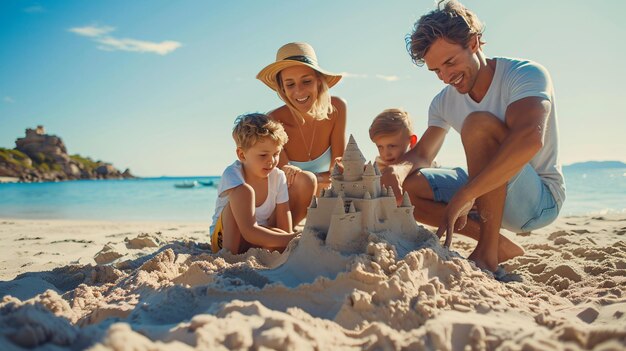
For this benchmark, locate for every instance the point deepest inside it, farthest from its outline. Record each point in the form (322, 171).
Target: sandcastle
(356, 204)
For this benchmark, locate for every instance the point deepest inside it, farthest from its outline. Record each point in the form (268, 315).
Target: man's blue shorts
(529, 203)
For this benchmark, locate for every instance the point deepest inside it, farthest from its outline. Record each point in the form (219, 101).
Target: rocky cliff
(41, 157)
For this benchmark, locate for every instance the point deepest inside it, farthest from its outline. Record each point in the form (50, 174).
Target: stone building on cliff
(39, 156)
(37, 143)
(356, 204)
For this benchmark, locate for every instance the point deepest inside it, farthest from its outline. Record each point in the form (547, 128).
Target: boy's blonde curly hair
(252, 127)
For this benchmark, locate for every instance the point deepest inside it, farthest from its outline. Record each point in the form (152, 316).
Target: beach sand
(68, 285)
(9, 179)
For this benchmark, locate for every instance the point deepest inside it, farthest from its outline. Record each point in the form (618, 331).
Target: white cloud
(113, 44)
(34, 9)
(353, 75)
(387, 78)
(110, 43)
(364, 76)
(8, 100)
(91, 31)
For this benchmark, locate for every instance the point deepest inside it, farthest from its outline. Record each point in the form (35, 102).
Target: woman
(314, 121)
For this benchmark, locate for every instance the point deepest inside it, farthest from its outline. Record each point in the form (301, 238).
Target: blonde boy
(252, 208)
(393, 135)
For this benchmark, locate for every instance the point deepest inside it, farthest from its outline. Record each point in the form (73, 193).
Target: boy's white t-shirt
(277, 192)
(513, 80)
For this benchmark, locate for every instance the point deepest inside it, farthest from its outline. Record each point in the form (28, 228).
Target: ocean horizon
(590, 191)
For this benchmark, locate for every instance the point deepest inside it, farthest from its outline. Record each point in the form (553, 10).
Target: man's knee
(482, 124)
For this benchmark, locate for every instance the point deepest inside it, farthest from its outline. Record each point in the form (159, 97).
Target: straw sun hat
(294, 54)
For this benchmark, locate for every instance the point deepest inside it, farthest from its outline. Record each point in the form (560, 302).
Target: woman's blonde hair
(391, 121)
(322, 107)
(252, 127)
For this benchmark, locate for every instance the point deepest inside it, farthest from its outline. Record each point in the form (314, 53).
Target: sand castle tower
(355, 205)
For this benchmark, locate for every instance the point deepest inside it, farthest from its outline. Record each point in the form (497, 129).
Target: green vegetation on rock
(87, 162)
(15, 157)
(46, 163)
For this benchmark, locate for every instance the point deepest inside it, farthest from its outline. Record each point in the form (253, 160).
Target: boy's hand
(381, 163)
(291, 172)
(393, 176)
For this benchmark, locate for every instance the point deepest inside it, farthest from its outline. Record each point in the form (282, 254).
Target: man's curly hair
(451, 21)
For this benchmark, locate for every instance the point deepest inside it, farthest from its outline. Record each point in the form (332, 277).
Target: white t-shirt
(277, 192)
(513, 80)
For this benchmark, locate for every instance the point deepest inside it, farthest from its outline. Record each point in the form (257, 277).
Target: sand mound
(409, 293)
(144, 240)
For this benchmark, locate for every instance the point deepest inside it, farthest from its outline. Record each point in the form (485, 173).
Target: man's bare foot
(484, 262)
(507, 249)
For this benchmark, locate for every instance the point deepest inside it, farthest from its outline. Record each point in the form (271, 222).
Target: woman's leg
(300, 193)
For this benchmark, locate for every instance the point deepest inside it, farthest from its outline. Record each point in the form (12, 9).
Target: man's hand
(455, 215)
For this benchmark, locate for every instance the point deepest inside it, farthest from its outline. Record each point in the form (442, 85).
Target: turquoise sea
(589, 191)
(145, 199)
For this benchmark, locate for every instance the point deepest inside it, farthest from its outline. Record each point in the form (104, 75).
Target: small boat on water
(207, 183)
(186, 184)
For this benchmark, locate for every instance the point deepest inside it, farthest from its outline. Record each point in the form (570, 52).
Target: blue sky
(155, 85)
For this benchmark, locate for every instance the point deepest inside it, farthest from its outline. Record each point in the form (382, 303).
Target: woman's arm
(275, 116)
(338, 133)
(337, 139)
(283, 161)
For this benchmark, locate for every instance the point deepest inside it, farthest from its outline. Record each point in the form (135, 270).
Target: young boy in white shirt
(252, 208)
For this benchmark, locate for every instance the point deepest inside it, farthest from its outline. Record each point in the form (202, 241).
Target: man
(505, 112)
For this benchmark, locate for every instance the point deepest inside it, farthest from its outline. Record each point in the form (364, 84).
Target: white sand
(155, 286)
(9, 180)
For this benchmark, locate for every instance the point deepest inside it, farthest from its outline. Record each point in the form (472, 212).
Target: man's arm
(421, 156)
(526, 120)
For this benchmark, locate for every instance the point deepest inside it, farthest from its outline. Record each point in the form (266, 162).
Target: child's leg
(231, 235)
(271, 223)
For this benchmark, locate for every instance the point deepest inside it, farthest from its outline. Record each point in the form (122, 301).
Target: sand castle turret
(355, 205)
(353, 161)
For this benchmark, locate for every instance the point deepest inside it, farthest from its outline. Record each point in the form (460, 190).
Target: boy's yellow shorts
(217, 236)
